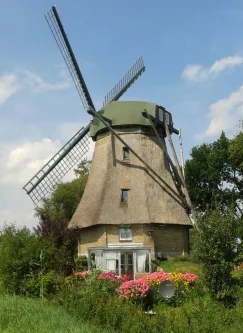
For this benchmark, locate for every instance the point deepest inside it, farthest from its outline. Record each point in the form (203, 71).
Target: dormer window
(124, 195)
(125, 153)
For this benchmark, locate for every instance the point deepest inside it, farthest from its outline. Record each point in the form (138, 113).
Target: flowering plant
(133, 289)
(114, 278)
(156, 278)
(82, 274)
(111, 276)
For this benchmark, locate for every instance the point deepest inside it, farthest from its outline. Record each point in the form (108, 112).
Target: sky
(193, 52)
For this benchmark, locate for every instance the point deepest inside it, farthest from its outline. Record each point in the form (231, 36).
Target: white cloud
(37, 84)
(8, 86)
(225, 114)
(11, 83)
(18, 163)
(198, 73)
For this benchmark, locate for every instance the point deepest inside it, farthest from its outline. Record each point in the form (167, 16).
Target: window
(125, 153)
(125, 233)
(143, 261)
(167, 118)
(124, 195)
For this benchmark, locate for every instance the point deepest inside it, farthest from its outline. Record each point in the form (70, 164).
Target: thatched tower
(125, 206)
(131, 210)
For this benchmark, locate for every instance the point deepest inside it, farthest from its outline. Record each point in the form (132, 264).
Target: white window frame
(127, 237)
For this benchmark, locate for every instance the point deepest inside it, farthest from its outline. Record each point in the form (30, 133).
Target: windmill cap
(127, 114)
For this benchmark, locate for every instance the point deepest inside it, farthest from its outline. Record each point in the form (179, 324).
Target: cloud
(198, 73)
(225, 114)
(8, 86)
(37, 84)
(10, 83)
(19, 162)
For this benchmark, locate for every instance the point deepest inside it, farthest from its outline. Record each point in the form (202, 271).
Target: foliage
(214, 174)
(23, 315)
(238, 277)
(42, 285)
(81, 263)
(180, 266)
(134, 290)
(54, 216)
(22, 254)
(218, 248)
(93, 300)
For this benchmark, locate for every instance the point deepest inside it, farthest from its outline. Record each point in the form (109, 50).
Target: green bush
(42, 285)
(95, 301)
(22, 254)
(238, 277)
(217, 248)
(81, 263)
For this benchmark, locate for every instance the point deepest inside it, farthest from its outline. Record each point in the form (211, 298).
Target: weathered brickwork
(163, 240)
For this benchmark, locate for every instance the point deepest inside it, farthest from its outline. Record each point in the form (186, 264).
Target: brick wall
(161, 239)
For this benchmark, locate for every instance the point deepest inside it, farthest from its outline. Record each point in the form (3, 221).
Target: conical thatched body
(121, 191)
(150, 199)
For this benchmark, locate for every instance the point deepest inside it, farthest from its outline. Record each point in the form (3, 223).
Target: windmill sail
(62, 41)
(128, 79)
(58, 166)
(77, 147)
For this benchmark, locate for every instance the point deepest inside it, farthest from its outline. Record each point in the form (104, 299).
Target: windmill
(77, 147)
(135, 206)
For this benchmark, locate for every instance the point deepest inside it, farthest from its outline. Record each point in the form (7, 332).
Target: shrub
(134, 290)
(42, 285)
(217, 248)
(81, 263)
(22, 254)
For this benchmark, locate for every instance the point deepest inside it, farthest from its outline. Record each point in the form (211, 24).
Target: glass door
(127, 263)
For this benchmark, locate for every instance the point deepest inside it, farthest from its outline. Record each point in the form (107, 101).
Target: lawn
(23, 315)
(185, 265)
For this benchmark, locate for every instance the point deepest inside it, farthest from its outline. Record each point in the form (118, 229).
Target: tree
(218, 247)
(21, 254)
(214, 174)
(55, 214)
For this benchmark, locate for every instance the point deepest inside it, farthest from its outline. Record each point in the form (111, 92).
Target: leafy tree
(22, 254)
(214, 174)
(55, 214)
(218, 247)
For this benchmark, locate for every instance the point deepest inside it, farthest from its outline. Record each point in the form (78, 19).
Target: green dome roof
(124, 114)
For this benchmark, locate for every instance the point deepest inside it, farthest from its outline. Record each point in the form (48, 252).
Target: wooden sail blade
(128, 79)
(64, 46)
(45, 180)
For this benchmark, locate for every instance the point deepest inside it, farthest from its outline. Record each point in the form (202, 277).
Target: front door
(127, 263)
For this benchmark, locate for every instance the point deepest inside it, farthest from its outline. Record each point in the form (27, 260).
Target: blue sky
(193, 51)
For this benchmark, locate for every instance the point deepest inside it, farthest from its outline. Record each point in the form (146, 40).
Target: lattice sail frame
(51, 174)
(128, 79)
(64, 46)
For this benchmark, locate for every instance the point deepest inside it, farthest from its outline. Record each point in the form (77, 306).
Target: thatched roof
(151, 199)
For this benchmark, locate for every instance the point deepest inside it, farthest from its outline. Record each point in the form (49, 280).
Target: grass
(23, 315)
(181, 266)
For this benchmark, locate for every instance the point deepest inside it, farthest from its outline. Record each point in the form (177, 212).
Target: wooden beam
(181, 175)
(163, 147)
(181, 152)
